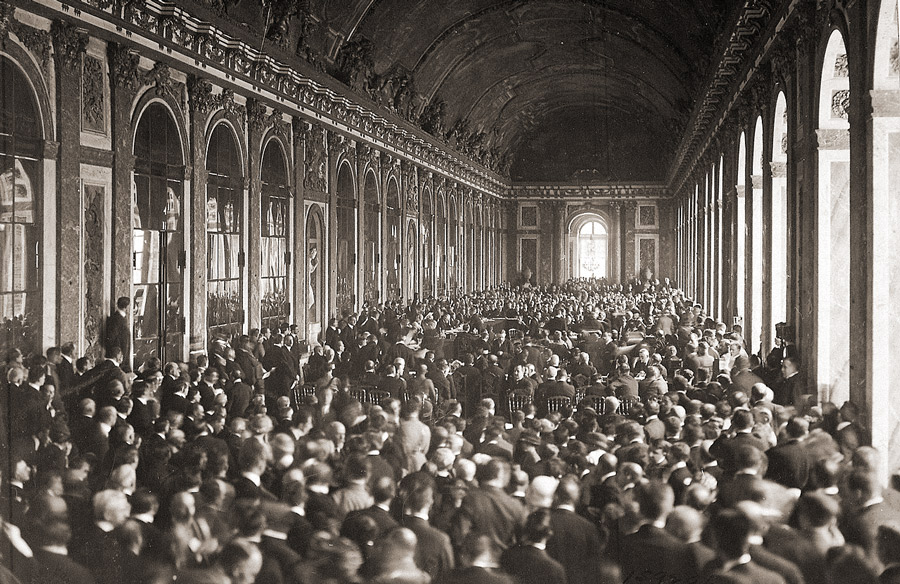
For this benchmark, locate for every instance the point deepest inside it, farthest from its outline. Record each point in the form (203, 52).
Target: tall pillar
(615, 239)
(69, 49)
(256, 124)
(883, 339)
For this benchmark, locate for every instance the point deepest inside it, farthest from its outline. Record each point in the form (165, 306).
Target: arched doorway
(158, 237)
(589, 247)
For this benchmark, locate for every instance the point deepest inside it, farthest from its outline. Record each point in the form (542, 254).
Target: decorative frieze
(93, 96)
(315, 160)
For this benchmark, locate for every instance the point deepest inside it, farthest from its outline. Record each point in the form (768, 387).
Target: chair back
(517, 402)
(376, 396)
(558, 402)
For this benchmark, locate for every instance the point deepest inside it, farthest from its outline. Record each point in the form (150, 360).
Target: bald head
(685, 523)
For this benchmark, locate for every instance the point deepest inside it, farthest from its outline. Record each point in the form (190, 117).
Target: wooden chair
(360, 394)
(517, 402)
(557, 402)
(376, 396)
(302, 391)
(598, 402)
(625, 406)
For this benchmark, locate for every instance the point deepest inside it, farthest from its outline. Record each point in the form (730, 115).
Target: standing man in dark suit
(789, 390)
(575, 542)
(652, 554)
(731, 531)
(239, 394)
(118, 333)
(66, 369)
(141, 417)
(490, 509)
(434, 553)
(790, 463)
(528, 562)
(866, 511)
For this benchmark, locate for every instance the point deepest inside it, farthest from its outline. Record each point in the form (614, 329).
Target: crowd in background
(579, 433)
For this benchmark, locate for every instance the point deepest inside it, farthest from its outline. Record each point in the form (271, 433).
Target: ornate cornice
(591, 192)
(169, 25)
(747, 42)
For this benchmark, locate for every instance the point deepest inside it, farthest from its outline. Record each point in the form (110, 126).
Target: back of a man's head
(384, 489)
(742, 420)
(420, 499)
(731, 531)
(478, 547)
(816, 510)
(495, 472)
(797, 427)
(747, 457)
(655, 500)
(685, 523)
(568, 492)
(537, 527)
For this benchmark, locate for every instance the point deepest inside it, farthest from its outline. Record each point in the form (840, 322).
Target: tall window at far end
(592, 250)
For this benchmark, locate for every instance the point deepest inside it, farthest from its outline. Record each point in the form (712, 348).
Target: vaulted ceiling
(561, 89)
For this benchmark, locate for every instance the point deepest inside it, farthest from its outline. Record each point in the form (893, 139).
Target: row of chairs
(364, 394)
(559, 402)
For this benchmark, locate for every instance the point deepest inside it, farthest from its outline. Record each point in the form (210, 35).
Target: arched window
(21, 191)
(740, 230)
(275, 238)
(224, 229)
(756, 242)
(591, 248)
(779, 222)
(158, 237)
(833, 224)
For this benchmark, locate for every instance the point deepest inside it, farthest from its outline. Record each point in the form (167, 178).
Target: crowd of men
(579, 433)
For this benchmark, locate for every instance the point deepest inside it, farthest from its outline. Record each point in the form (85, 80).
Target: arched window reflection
(157, 236)
(274, 243)
(20, 195)
(224, 221)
